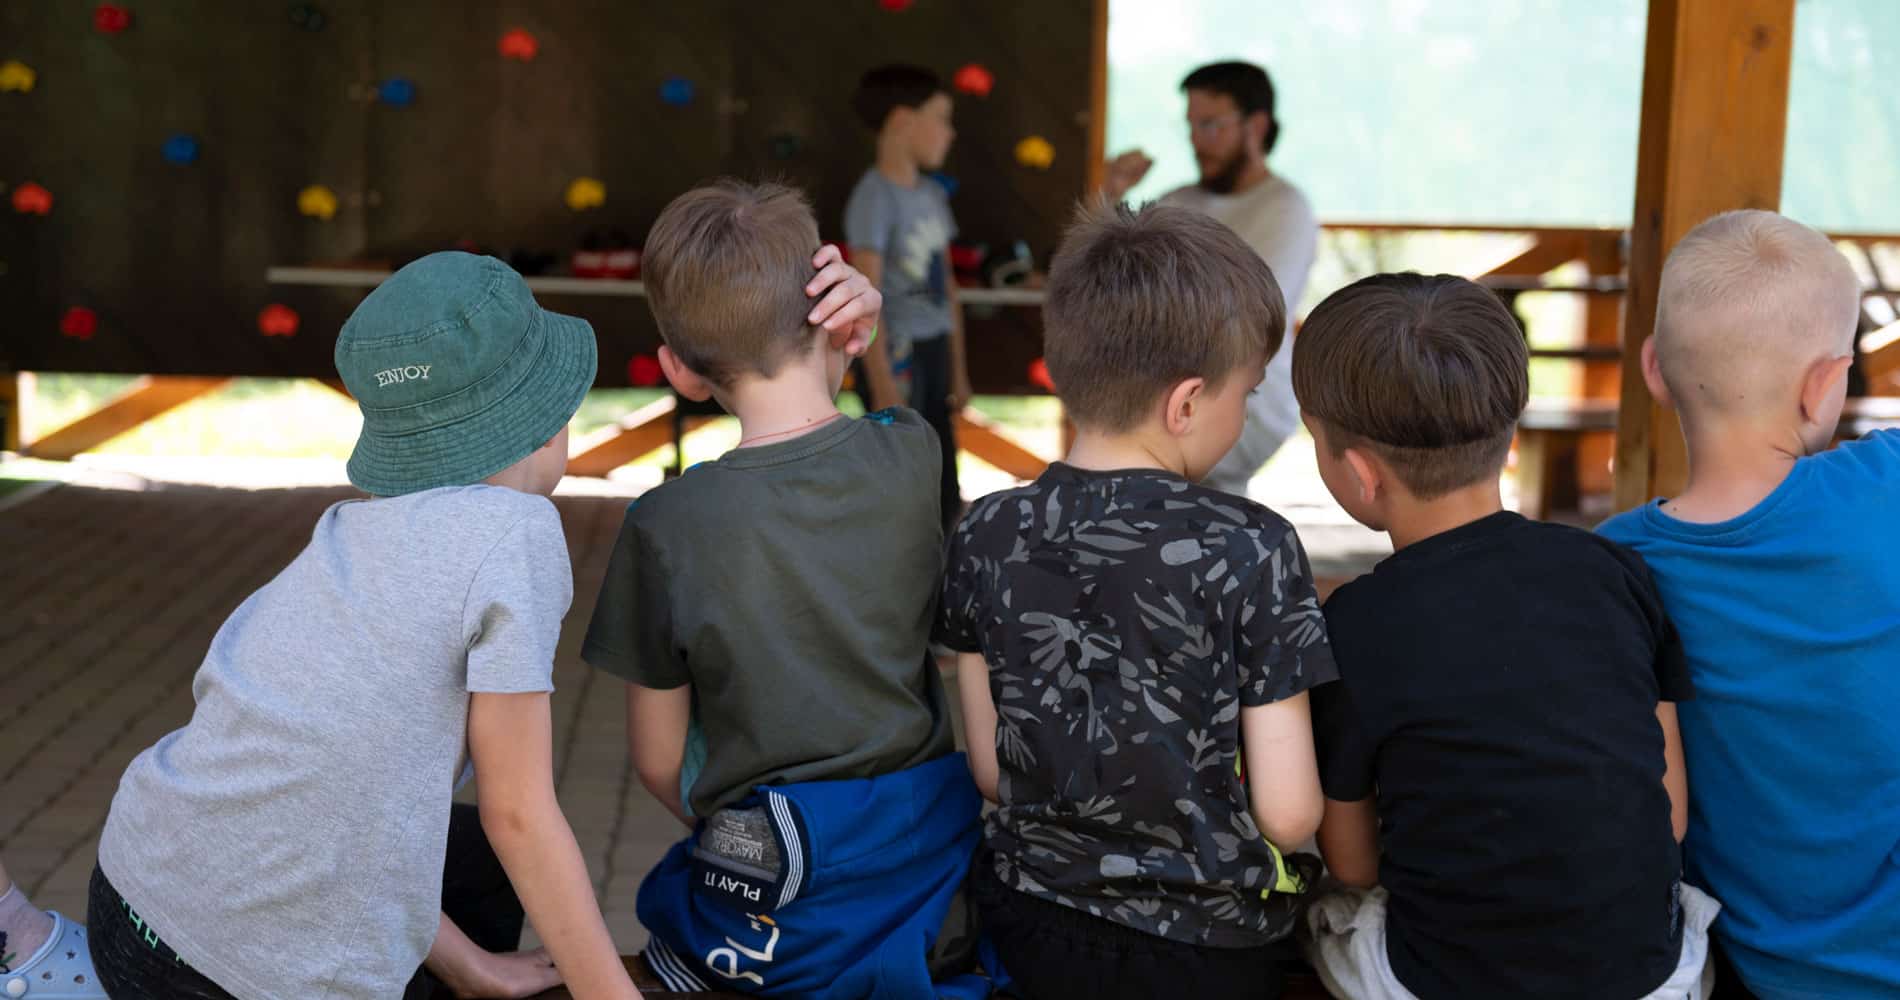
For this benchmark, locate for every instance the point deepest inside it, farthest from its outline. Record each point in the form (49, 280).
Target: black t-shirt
(795, 599)
(1127, 618)
(1498, 691)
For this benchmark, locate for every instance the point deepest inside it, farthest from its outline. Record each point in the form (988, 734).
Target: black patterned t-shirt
(1127, 617)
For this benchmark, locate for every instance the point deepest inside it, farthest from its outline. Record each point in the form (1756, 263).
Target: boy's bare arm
(511, 740)
(657, 722)
(1283, 790)
(1675, 771)
(877, 357)
(959, 360)
(1349, 841)
(979, 720)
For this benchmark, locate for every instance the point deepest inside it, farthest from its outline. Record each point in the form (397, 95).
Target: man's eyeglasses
(1208, 128)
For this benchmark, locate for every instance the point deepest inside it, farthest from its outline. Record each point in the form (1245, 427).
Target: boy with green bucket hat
(297, 838)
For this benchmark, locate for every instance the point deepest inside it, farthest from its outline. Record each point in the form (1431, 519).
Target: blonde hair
(1750, 300)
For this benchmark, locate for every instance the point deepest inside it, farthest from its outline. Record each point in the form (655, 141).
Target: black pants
(1053, 952)
(930, 397)
(133, 964)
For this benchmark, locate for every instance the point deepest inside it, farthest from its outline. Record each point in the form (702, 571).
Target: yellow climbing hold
(1036, 152)
(16, 75)
(584, 193)
(317, 202)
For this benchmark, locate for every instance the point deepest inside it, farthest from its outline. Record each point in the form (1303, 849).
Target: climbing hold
(278, 320)
(584, 193)
(894, 5)
(1036, 152)
(397, 92)
(317, 202)
(79, 323)
(181, 149)
(947, 182)
(16, 76)
(677, 91)
(110, 18)
(784, 146)
(644, 371)
(973, 79)
(31, 199)
(517, 43)
(308, 16)
(1039, 375)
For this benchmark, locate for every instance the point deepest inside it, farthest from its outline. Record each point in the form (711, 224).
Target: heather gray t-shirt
(288, 842)
(793, 585)
(910, 228)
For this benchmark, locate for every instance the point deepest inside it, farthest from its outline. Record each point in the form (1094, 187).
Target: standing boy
(834, 824)
(899, 226)
(1135, 649)
(1778, 563)
(1499, 755)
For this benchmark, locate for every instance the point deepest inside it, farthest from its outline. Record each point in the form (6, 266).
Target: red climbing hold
(974, 80)
(894, 4)
(1039, 374)
(31, 199)
(644, 371)
(517, 43)
(278, 320)
(110, 18)
(79, 323)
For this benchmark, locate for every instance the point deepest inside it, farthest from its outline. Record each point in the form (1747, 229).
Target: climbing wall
(156, 158)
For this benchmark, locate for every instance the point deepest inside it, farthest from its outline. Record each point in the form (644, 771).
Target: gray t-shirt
(289, 841)
(1277, 221)
(910, 228)
(793, 585)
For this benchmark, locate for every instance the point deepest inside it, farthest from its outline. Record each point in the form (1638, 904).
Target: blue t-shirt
(911, 229)
(1790, 617)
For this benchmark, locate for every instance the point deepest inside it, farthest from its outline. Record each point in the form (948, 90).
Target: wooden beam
(12, 410)
(1880, 360)
(637, 435)
(977, 436)
(1715, 114)
(1547, 252)
(1098, 95)
(146, 398)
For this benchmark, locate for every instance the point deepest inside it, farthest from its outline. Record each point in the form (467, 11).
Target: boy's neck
(786, 406)
(1732, 468)
(1410, 521)
(895, 163)
(1097, 451)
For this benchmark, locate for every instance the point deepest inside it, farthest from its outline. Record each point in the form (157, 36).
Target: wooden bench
(1549, 433)
(1299, 985)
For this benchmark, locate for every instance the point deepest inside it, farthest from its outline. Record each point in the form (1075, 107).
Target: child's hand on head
(849, 310)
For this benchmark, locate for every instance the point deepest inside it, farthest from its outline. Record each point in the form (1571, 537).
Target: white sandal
(60, 970)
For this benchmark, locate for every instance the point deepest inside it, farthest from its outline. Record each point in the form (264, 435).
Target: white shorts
(1347, 947)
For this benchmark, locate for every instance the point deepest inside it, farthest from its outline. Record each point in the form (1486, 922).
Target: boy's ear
(1817, 388)
(1652, 376)
(1183, 403)
(684, 380)
(1368, 474)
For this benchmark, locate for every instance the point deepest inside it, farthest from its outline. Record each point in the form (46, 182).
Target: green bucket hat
(459, 374)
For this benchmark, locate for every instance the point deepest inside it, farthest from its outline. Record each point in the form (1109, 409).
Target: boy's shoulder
(462, 514)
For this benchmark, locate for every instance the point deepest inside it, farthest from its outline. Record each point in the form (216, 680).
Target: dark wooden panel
(172, 258)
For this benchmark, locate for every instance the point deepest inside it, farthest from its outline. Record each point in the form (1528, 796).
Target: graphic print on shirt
(920, 255)
(725, 961)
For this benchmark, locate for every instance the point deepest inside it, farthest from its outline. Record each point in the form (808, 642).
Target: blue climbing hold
(397, 92)
(947, 182)
(181, 149)
(677, 91)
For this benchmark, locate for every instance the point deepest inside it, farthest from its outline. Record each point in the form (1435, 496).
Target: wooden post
(1715, 114)
(1098, 95)
(1602, 322)
(11, 410)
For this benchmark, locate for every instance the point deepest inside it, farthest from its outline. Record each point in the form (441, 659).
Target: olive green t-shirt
(793, 585)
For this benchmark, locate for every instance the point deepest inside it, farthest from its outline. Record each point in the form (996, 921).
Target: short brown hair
(725, 269)
(1139, 300)
(1430, 373)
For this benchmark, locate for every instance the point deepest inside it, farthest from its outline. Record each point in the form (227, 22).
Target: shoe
(60, 970)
